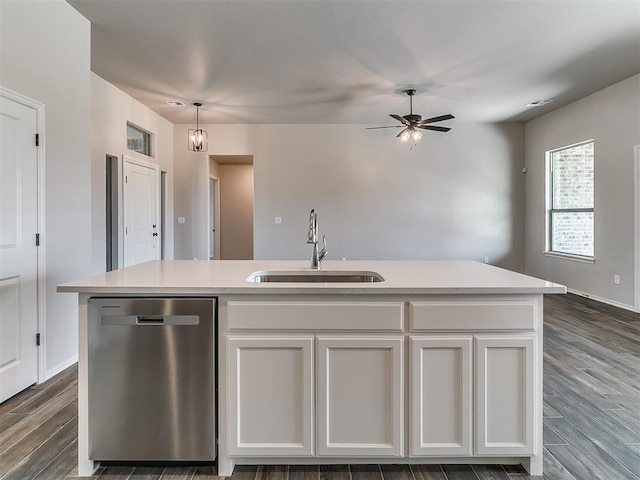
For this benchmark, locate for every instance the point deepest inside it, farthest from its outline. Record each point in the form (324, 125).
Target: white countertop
(202, 277)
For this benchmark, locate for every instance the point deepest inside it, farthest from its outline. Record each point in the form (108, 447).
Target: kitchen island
(441, 362)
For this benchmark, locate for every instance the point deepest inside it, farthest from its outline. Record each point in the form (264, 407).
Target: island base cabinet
(440, 386)
(360, 396)
(505, 395)
(271, 396)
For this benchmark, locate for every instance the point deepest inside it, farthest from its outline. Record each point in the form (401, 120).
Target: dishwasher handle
(143, 320)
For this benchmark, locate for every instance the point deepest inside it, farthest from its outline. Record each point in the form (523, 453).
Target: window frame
(550, 210)
(149, 136)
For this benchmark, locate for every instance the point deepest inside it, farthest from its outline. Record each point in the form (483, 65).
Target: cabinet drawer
(487, 315)
(381, 316)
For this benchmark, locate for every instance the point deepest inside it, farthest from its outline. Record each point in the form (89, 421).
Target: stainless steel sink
(314, 276)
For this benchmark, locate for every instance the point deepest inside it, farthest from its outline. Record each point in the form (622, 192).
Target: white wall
(44, 54)
(111, 109)
(612, 118)
(455, 195)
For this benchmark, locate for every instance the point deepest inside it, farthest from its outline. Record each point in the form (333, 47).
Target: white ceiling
(347, 61)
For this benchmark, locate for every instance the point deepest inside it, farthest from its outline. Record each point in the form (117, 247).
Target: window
(138, 140)
(570, 194)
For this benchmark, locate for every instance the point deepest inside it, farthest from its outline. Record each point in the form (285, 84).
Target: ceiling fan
(412, 122)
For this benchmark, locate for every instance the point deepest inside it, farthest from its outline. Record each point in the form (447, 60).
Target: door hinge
(37, 339)
(37, 239)
(37, 139)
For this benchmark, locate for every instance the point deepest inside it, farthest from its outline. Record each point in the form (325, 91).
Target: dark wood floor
(591, 416)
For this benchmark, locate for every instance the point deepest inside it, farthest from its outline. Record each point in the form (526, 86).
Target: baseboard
(603, 300)
(63, 366)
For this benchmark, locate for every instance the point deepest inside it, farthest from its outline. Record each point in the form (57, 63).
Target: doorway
(234, 231)
(111, 227)
(21, 262)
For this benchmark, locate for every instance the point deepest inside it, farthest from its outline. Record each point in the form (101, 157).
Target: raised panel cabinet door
(360, 396)
(440, 389)
(505, 395)
(270, 396)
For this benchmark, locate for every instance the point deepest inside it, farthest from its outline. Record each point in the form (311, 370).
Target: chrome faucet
(312, 237)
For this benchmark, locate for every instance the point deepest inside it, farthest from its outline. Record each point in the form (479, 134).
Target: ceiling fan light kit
(411, 122)
(409, 134)
(198, 138)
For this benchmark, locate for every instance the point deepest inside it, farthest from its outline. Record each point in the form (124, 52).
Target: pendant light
(198, 138)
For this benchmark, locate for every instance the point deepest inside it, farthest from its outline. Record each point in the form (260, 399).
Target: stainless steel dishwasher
(151, 379)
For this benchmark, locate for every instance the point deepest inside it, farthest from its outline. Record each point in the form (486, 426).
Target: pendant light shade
(198, 138)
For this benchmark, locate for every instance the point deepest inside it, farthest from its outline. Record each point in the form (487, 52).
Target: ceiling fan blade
(401, 132)
(441, 118)
(390, 126)
(399, 118)
(436, 129)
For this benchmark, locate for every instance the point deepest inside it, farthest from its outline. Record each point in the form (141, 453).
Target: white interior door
(18, 251)
(141, 212)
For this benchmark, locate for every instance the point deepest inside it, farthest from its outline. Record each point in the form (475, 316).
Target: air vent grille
(538, 103)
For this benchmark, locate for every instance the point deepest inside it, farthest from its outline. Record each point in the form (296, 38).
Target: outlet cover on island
(616, 279)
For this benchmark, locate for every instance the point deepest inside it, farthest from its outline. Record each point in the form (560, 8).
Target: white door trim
(121, 201)
(41, 320)
(216, 218)
(636, 283)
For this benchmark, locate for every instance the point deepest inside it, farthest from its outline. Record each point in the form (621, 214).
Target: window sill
(568, 256)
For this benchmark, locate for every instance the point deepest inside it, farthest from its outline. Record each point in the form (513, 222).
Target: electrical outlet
(486, 259)
(616, 279)
(277, 220)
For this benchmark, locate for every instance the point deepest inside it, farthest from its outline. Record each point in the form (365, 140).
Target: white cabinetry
(440, 386)
(271, 395)
(442, 382)
(272, 389)
(326, 379)
(504, 395)
(360, 401)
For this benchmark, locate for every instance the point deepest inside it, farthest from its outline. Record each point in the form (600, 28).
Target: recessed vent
(539, 103)
(175, 103)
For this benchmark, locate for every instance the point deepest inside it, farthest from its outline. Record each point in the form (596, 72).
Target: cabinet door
(504, 395)
(440, 396)
(270, 396)
(360, 396)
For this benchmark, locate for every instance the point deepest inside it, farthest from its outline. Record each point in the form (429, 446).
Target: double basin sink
(314, 276)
